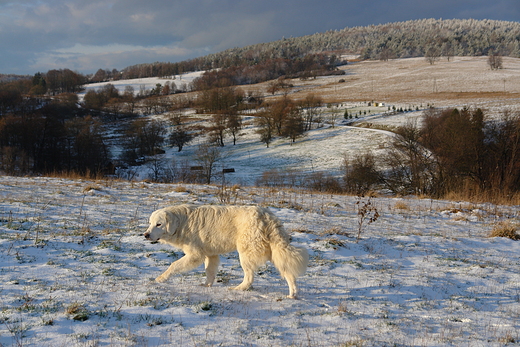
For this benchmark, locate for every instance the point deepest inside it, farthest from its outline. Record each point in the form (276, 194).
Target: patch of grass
(181, 189)
(77, 311)
(90, 188)
(505, 229)
(401, 205)
(333, 243)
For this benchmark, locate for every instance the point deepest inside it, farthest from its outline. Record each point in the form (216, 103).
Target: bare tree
(412, 169)
(311, 106)
(145, 137)
(433, 53)
(180, 137)
(217, 129)
(207, 156)
(265, 127)
(293, 126)
(360, 173)
(234, 125)
(494, 60)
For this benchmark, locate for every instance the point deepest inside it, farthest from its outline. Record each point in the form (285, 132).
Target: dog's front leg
(211, 264)
(186, 263)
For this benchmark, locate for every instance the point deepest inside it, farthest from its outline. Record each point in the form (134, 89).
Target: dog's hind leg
(249, 273)
(250, 260)
(293, 289)
(211, 264)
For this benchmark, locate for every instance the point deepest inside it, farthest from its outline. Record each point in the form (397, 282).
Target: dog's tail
(290, 260)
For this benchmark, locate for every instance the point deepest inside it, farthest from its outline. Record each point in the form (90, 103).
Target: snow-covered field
(76, 271)
(145, 84)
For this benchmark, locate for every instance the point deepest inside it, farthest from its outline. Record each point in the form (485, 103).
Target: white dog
(204, 232)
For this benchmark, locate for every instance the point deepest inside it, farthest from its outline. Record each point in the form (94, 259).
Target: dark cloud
(36, 35)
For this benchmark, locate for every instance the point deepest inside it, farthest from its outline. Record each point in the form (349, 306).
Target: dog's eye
(158, 224)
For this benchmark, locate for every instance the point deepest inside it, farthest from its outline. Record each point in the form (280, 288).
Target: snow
(147, 83)
(76, 271)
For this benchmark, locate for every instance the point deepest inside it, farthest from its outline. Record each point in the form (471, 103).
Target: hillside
(403, 40)
(403, 83)
(415, 38)
(369, 92)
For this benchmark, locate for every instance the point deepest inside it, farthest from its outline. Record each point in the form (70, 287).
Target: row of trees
(454, 150)
(43, 143)
(307, 66)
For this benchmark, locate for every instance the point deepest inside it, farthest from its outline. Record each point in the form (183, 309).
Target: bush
(361, 175)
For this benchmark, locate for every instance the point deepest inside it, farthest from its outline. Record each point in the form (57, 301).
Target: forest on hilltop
(415, 38)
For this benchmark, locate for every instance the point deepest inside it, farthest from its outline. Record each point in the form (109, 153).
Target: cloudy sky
(85, 35)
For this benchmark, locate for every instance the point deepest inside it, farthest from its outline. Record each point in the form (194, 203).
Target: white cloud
(90, 58)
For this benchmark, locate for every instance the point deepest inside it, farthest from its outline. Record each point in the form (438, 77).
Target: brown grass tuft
(505, 229)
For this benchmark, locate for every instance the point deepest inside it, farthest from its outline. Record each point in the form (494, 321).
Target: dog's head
(161, 224)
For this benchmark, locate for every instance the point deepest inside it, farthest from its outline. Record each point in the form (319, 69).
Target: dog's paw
(241, 287)
(161, 279)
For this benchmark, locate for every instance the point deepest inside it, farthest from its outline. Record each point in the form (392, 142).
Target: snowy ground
(146, 84)
(76, 271)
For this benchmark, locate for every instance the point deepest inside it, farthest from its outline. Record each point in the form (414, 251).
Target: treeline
(305, 67)
(416, 38)
(456, 37)
(16, 93)
(56, 136)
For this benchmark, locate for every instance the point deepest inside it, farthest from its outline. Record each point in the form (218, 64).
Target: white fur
(205, 232)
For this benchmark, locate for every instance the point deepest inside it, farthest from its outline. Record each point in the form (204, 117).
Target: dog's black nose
(146, 236)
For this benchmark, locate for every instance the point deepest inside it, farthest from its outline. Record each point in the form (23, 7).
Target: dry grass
(401, 205)
(472, 193)
(181, 189)
(505, 229)
(459, 81)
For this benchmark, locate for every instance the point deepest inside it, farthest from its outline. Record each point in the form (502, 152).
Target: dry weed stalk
(367, 214)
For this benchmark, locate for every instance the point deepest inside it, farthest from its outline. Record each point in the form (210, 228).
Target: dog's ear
(172, 222)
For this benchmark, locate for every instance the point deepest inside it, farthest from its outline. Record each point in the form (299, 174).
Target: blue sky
(84, 35)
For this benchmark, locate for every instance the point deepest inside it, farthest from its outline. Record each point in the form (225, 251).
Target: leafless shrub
(495, 60)
(323, 182)
(367, 214)
(228, 195)
(361, 174)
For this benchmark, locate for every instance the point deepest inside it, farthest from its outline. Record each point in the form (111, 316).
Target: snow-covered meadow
(76, 271)
(145, 84)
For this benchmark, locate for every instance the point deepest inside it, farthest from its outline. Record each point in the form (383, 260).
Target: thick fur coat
(205, 232)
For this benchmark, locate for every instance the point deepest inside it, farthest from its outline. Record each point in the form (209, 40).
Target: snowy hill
(403, 83)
